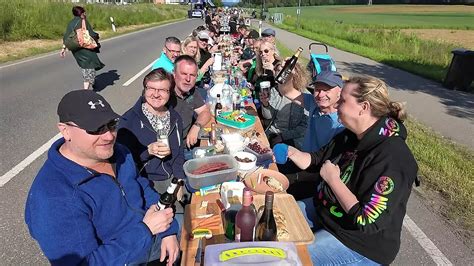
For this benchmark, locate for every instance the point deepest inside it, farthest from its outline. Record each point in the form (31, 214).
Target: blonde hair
(259, 66)
(300, 77)
(375, 91)
(186, 42)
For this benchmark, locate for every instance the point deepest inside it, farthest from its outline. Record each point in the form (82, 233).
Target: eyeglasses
(160, 91)
(173, 51)
(266, 51)
(110, 126)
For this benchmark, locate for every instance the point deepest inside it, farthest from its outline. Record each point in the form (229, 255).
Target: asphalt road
(30, 91)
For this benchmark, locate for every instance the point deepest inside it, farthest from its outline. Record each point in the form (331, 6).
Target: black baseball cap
(86, 108)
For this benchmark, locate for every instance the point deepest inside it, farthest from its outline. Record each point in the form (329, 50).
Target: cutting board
(296, 225)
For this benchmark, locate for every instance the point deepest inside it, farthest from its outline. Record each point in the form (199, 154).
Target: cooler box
(252, 253)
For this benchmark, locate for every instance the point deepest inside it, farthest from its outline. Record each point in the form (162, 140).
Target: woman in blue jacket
(139, 126)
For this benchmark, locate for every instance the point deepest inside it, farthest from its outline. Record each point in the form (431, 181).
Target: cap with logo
(268, 32)
(86, 108)
(330, 78)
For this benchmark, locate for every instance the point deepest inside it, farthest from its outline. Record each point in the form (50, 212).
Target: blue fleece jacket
(136, 132)
(79, 216)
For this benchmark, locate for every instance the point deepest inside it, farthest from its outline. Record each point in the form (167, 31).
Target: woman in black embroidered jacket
(367, 173)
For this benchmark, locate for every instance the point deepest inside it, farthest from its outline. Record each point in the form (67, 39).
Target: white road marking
(138, 74)
(27, 161)
(430, 248)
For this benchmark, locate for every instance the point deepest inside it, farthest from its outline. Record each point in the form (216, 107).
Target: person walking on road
(88, 205)
(87, 59)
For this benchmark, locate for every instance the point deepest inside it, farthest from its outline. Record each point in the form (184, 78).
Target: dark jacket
(379, 170)
(136, 132)
(81, 217)
(85, 58)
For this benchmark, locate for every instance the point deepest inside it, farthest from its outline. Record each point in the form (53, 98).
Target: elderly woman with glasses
(368, 171)
(158, 160)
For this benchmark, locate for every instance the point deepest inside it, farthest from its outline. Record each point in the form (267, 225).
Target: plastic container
(243, 166)
(249, 121)
(261, 253)
(260, 157)
(209, 179)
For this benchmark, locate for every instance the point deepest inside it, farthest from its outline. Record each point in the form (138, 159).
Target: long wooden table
(189, 247)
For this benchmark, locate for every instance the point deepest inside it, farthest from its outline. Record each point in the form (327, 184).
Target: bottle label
(160, 206)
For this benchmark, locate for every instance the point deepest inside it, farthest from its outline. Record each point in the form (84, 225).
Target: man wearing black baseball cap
(87, 205)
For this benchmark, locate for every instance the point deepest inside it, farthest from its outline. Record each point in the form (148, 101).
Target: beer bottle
(218, 109)
(288, 67)
(168, 198)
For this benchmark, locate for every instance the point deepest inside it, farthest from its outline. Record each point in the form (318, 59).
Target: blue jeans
(155, 251)
(327, 249)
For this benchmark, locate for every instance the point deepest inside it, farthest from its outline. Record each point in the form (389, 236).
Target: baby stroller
(320, 62)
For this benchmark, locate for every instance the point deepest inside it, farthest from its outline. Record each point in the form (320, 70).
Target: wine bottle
(266, 227)
(288, 67)
(245, 219)
(168, 198)
(218, 109)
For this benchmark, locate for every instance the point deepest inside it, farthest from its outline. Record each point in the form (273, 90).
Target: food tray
(209, 179)
(250, 121)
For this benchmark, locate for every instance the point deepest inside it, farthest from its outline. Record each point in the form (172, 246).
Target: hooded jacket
(379, 170)
(79, 216)
(136, 132)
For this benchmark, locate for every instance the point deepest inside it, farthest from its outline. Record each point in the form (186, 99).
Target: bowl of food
(265, 180)
(246, 160)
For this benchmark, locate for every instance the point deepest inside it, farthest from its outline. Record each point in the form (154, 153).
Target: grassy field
(380, 33)
(445, 168)
(33, 27)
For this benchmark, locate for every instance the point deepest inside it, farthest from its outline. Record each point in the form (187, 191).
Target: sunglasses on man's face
(203, 40)
(110, 126)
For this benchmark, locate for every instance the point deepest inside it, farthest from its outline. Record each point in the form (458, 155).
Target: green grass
(445, 167)
(42, 19)
(382, 43)
(398, 20)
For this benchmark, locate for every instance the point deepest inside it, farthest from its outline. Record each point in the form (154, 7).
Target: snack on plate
(273, 183)
(280, 220)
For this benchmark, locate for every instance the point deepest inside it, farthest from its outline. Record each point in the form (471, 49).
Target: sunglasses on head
(110, 126)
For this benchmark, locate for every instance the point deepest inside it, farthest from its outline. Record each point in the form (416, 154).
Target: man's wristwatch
(198, 125)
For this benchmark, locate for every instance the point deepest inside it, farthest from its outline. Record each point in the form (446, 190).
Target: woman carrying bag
(86, 58)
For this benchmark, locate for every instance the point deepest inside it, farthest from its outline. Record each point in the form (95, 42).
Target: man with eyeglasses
(87, 205)
(171, 50)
